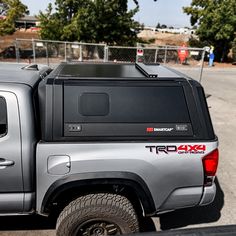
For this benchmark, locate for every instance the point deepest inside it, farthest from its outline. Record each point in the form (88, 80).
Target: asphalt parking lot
(220, 85)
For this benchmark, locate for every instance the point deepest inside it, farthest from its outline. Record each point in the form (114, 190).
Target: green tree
(216, 21)
(90, 21)
(11, 10)
(51, 24)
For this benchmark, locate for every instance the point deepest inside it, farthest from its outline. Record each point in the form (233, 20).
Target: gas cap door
(59, 165)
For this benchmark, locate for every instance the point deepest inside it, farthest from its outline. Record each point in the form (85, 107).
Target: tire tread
(115, 204)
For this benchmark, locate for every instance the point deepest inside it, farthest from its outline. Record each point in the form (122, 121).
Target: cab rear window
(3, 117)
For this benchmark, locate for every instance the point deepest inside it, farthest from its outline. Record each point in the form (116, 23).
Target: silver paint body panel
(170, 177)
(11, 179)
(19, 146)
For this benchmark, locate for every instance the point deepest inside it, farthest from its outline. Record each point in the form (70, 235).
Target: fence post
(202, 64)
(47, 53)
(80, 52)
(65, 52)
(17, 51)
(136, 54)
(34, 54)
(155, 60)
(165, 55)
(106, 49)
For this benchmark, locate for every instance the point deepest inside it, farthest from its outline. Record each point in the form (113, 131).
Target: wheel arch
(72, 186)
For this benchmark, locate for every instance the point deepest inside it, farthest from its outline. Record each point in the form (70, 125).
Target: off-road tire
(112, 209)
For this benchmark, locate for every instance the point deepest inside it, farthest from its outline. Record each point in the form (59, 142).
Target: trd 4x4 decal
(181, 149)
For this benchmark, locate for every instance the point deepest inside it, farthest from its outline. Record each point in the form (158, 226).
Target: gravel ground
(220, 84)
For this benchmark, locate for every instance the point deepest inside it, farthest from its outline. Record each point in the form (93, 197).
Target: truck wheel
(99, 214)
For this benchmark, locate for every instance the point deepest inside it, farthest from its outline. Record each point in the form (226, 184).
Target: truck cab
(18, 137)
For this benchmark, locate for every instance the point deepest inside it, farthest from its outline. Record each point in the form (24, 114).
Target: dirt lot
(8, 40)
(164, 38)
(220, 84)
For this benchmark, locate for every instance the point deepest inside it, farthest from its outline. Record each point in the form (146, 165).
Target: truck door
(11, 182)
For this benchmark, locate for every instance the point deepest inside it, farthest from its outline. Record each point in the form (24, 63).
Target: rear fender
(131, 181)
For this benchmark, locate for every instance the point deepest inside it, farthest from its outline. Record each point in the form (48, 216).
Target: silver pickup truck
(103, 145)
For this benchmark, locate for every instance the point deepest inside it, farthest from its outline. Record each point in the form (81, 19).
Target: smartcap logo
(159, 129)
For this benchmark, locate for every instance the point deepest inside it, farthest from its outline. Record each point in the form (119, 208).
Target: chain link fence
(54, 52)
(121, 54)
(190, 61)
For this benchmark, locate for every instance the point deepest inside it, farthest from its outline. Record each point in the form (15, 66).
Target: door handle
(5, 163)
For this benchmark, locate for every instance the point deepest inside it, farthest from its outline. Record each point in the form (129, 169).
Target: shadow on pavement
(32, 222)
(227, 230)
(197, 215)
(177, 219)
(35, 222)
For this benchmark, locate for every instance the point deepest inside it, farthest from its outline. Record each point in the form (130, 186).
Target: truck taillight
(210, 163)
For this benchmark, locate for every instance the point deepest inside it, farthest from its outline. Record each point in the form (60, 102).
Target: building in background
(28, 22)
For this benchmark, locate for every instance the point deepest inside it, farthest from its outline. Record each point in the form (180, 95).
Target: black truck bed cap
(113, 71)
(92, 101)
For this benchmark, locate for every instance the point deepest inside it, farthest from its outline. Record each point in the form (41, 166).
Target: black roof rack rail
(146, 70)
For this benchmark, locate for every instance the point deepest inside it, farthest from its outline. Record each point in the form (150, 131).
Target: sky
(167, 12)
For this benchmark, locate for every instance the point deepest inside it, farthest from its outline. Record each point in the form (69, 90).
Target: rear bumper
(189, 197)
(182, 198)
(208, 196)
